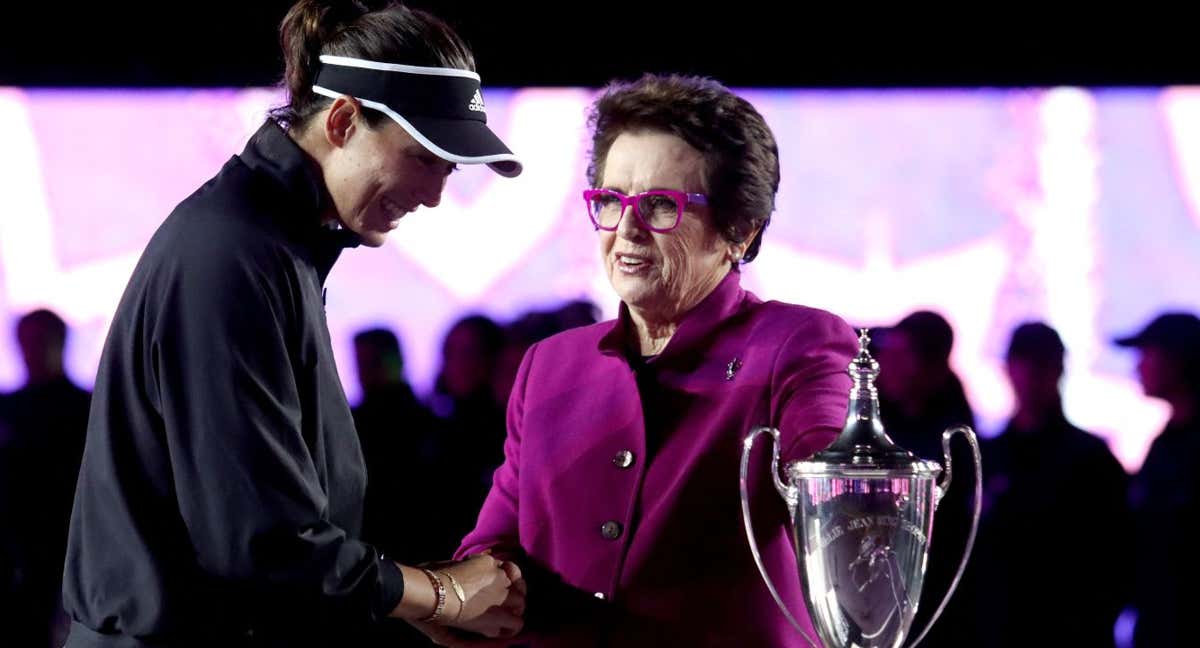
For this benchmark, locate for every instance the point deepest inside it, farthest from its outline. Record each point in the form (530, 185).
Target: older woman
(618, 495)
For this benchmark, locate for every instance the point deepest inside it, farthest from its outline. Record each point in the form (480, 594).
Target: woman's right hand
(493, 596)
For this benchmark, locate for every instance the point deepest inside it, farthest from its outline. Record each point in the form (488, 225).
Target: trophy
(861, 513)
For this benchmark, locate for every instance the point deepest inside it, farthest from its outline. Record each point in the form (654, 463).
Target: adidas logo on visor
(477, 102)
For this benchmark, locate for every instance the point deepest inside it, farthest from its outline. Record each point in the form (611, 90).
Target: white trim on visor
(425, 141)
(347, 61)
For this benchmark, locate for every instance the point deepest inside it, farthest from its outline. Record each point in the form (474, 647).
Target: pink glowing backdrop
(1080, 207)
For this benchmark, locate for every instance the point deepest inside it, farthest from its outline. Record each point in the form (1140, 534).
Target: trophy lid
(863, 443)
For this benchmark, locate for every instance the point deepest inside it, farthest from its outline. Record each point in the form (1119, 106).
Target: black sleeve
(246, 484)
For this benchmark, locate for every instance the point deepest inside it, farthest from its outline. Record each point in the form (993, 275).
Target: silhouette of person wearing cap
(1165, 494)
(1054, 513)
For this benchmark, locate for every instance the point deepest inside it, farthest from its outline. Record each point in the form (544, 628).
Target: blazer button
(623, 459)
(611, 530)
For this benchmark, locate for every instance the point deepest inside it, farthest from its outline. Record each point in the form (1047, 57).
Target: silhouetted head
(1169, 356)
(42, 336)
(1034, 363)
(379, 357)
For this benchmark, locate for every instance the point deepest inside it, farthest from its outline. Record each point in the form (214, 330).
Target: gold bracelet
(439, 591)
(458, 592)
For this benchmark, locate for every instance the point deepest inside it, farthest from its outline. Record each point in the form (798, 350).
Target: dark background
(783, 44)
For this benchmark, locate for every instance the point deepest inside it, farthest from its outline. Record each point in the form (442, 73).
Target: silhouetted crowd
(1068, 542)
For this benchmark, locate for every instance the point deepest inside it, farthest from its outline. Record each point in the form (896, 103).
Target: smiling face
(661, 275)
(377, 175)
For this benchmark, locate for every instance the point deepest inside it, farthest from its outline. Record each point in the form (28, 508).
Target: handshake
(479, 601)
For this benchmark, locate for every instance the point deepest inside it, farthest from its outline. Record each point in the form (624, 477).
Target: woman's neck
(654, 327)
(652, 334)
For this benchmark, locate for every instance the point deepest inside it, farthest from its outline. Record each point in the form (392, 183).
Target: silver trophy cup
(861, 516)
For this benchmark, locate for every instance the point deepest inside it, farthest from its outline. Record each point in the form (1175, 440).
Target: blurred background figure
(920, 396)
(470, 416)
(532, 327)
(1055, 516)
(461, 390)
(395, 430)
(480, 359)
(579, 312)
(8, 567)
(41, 443)
(407, 447)
(397, 433)
(1165, 494)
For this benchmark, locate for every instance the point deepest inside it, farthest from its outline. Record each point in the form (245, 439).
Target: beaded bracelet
(439, 591)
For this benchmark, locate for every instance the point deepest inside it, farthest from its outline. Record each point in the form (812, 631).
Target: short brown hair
(741, 157)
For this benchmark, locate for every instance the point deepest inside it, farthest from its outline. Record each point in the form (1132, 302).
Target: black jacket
(222, 484)
(1165, 496)
(1054, 504)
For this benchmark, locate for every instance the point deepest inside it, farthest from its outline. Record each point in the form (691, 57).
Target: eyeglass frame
(682, 200)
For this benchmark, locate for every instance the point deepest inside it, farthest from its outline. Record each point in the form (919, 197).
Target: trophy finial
(864, 369)
(863, 440)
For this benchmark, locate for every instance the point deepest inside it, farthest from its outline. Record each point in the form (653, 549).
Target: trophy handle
(941, 492)
(789, 495)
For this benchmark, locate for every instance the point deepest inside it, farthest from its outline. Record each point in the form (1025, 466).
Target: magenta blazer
(618, 495)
